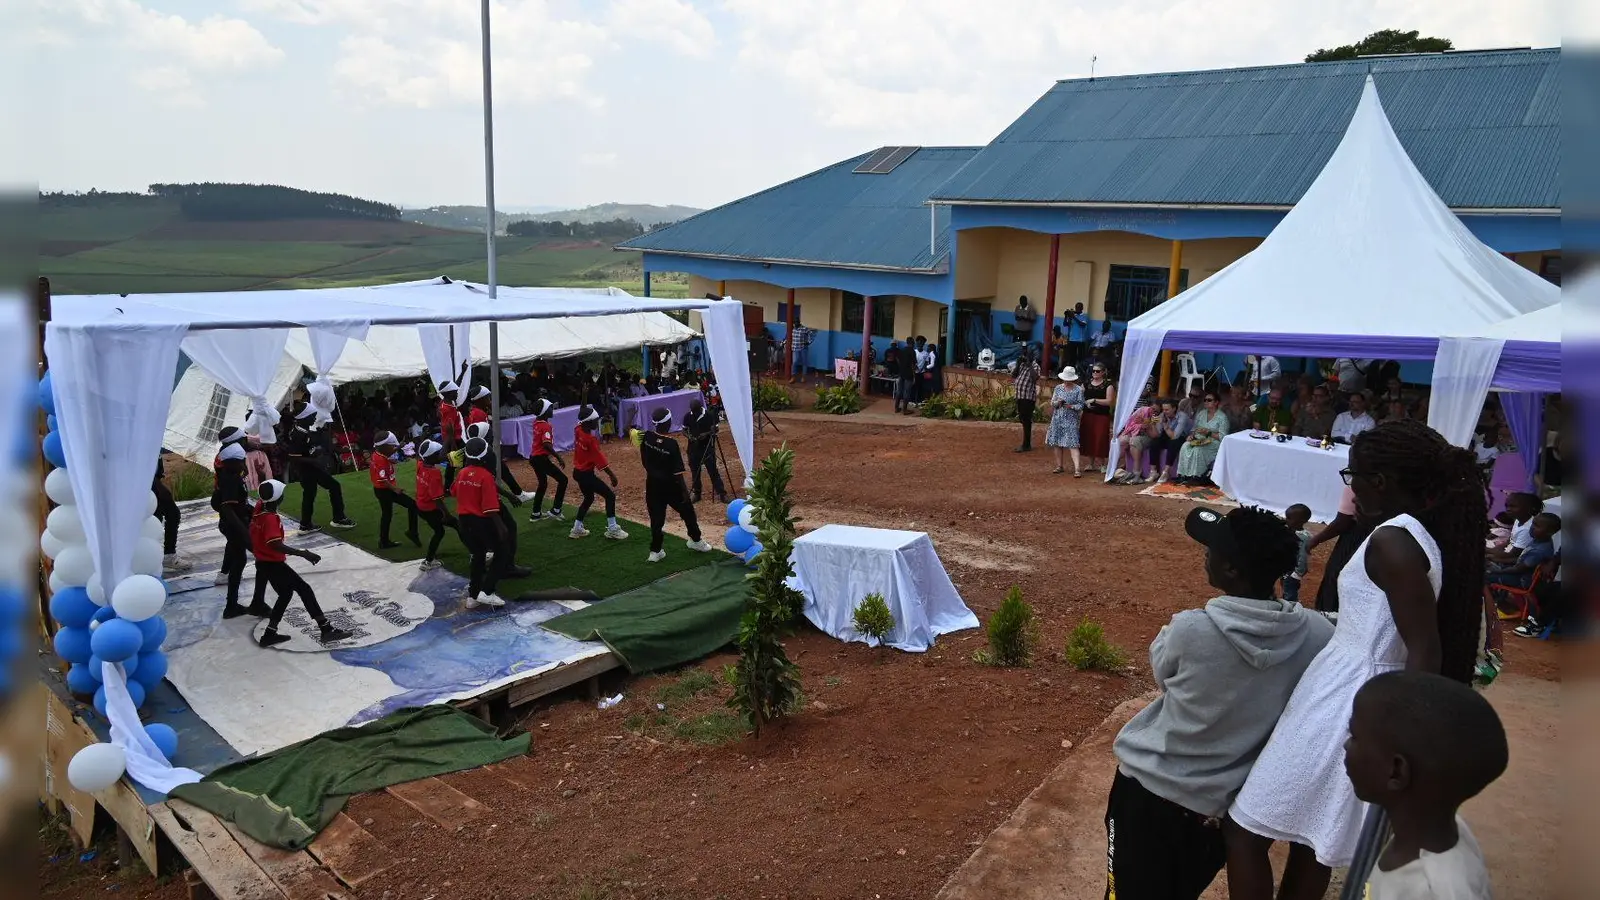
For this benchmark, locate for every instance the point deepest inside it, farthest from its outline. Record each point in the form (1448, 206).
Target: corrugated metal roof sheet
(830, 217)
(1482, 127)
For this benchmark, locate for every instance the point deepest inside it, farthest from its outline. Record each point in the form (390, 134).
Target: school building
(1105, 185)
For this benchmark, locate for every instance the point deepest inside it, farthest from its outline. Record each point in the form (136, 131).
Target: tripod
(763, 422)
(712, 456)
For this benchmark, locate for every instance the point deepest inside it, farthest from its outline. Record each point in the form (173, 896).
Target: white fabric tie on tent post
(724, 333)
(243, 362)
(326, 348)
(145, 761)
(445, 347)
(1462, 373)
(1140, 348)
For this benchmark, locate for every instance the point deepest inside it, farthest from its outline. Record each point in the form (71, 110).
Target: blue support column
(644, 353)
(950, 334)
(647, 282)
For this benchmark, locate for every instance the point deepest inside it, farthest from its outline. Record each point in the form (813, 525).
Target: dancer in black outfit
(231, 502)
(310, 454)
(547, 464)
(167, 511)
(664, 487)
(702, 429)
(272, 566)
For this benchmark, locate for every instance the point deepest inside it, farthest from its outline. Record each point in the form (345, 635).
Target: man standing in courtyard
(1026, 387)
(799, 347)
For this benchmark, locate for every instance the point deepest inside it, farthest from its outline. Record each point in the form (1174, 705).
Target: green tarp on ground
(284, 799)
(666, 623)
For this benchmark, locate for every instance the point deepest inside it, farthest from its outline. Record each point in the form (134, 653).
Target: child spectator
(1296, 518)
(1226, 672)
(1517, 520)
(1421, 745)
(1541, 548)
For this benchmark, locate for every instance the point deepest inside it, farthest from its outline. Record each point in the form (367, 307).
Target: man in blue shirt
(1077, 327)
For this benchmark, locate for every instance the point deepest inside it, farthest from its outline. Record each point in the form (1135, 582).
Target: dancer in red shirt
(272, 555)
(547, 463)
(430, 500)
(388, 493)
(478, 510)
(587, 459)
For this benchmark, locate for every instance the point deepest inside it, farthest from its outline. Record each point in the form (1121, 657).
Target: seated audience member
(1395, 411)
(1353, 421)
(1551, 607)
(1541, 548)
(1305, 386)
(1273, 412)
(1226, 672)
(1134, 440)
(1235, 403)
(1173, 429)
(1199, 452)
(1421, 745)
(1314, 419)
(1194, 403)
(1392, 390)
(1521, 507)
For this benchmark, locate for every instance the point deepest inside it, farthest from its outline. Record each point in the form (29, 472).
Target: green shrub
(872, 617)
(985, 405)
(1013, 633)
(841, 400)
(770, 396)
(766, 685)
(190, 482)
(1088, 649)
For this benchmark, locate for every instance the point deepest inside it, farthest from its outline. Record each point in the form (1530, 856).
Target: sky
(697, 102)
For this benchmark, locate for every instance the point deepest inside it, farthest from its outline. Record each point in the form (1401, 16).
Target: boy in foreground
(272, 565)
(1226, 672)
(1420, 746)
(1296, 517)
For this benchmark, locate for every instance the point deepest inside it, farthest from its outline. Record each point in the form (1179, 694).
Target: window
(854, 306)
(1135, 290)
(216, 413)
(1550, 268)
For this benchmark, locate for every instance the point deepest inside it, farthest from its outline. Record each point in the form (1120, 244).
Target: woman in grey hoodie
(1226, 672)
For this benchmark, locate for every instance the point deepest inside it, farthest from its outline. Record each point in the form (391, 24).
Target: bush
(1088, 649)
(1013, 633)
(991, 405)
(841, 400)
(766, 685)
(189, 482)
(770, 396)
(872, 617)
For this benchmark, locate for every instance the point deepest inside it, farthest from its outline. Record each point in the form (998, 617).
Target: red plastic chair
(1519, 598)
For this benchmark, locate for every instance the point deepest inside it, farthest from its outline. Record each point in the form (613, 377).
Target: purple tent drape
(1525, 415)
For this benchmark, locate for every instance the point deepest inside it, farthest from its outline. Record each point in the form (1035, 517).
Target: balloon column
(741, 538)
(99, 624)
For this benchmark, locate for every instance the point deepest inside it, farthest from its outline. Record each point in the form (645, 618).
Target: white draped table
(1276, 475)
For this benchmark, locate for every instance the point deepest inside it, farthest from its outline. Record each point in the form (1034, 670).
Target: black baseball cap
(1210, 528)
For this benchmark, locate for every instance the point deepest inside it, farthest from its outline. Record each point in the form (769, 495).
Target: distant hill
(470, 218)
(458, 218)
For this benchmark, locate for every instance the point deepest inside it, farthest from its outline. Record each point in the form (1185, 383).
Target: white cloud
(600, 160)
(172, 84)
(673, 23)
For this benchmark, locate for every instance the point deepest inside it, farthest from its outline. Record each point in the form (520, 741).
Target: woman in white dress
(1409, 599)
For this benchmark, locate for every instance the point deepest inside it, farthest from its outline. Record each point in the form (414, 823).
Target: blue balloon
(81, 681)
(164, 737)
(737, 540)
(102, 614)
(50, 423)
(129, 665)
(733, 510)
(47, 395)
(754, 551)
(152, 668)
(72, 645)
(72, 607)
(154, 630)
(116, 640)
(54, 454)
(135, 693)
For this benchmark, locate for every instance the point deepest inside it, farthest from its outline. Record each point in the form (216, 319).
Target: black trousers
(1025, 416)
(310, 477)
(1156, 849)
(288, 583)
(482, 538)
(387, 501)
(661, 495)
(234, 553)
(508, 479)
(438, 519)
(547, 470)
(703, 453)
(1163, 452)
(591, 485)
(167, 512)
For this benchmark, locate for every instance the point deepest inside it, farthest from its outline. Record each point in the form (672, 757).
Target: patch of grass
(832, 681)
(1088, 649)
(1013, 633)
(691, 685)
(711, 729)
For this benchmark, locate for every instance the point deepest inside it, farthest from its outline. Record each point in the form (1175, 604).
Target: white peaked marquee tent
(1369, 263)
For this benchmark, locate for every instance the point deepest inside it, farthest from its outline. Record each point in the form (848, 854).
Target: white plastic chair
(1189, 373)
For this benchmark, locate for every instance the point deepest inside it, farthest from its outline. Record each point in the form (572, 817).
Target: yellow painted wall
(819, 307)
(977, 261)
(928, 316)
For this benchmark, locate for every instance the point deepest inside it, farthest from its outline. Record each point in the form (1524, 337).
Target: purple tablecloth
(634, 412)
(519, 431)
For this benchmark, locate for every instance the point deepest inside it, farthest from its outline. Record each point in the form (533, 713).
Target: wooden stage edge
(224, 863)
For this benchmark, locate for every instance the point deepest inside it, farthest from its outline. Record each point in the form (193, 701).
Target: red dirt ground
(899, 766)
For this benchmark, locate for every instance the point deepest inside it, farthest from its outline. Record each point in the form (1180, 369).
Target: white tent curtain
(446, 347)
(326, 348)
(724, 327)
(146, 763)
(1462, 373)
(244, 362)
(1139, 351)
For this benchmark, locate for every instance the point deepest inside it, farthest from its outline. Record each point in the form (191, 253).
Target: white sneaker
(221, 579)
(578, 531)
(700, 546)
(490, 600)
(1120, 476)
(1162, 479)
(615, 533)
(656, 556)
(428, 565)
(172, 562)
(556, 515)
(527, 497)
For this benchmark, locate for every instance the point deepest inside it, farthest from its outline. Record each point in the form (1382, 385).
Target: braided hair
(1453, 508)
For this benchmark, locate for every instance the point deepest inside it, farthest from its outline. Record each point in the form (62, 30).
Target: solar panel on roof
(878, 156)
(895, 158)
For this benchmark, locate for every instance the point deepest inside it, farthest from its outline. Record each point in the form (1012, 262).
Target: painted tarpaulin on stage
(414, 644)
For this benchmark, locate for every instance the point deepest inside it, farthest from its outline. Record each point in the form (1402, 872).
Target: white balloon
(95, 623)
(139, 597)
(96, 767)
(147, 557)
(57, 584)
(75, 565)
(51, 545)
(58, 487)
(97, 594)
(65, 523)
(747, 519)
(150, 504)
(152, 529)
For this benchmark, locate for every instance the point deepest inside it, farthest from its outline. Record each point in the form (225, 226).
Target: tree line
(613, 230)
(254, 202)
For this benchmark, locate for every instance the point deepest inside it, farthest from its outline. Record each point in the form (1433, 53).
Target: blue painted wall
(938, 288)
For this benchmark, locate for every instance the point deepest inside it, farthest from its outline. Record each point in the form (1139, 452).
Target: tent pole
(1164, 380)
(489, 229)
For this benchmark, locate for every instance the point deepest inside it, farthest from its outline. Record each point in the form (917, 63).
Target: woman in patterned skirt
(1066, 405)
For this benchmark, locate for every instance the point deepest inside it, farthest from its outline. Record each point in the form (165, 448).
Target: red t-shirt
(543, 436)
(430, 487)
(477, 415)
(449, 420)
(586, 453)
(382, 472)
(266, 527)
(475, 492)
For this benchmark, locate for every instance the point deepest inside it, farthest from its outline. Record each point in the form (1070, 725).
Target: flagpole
(489, 228)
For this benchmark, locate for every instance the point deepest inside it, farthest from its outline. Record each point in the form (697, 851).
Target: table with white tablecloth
(1276, 475)
(837, 566)
(634, 412)
(519, 431)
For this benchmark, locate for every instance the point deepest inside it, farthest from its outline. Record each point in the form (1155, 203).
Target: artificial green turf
(592, 564)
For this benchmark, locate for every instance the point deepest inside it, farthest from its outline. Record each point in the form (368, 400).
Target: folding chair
(1520, 598)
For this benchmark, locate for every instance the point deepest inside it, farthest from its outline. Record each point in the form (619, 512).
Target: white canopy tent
(1517, 354)
(1369, 263)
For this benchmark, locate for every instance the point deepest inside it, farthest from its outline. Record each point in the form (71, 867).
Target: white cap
(387, 439)
(593, 416)
(544, 407)
(478, 430)
(429, 448)
(480, 393)
(477, 448)
(271, 491)
(230, 452)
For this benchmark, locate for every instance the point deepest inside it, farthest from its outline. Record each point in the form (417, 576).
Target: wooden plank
(350, 851)
(64, 737)
(297, 873)
(561, 677)
(222, 864)
(515, 779)
(438, 801)
(127, 809)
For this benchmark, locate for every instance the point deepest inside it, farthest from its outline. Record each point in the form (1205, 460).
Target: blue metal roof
(832, 217)
(1481, 126)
